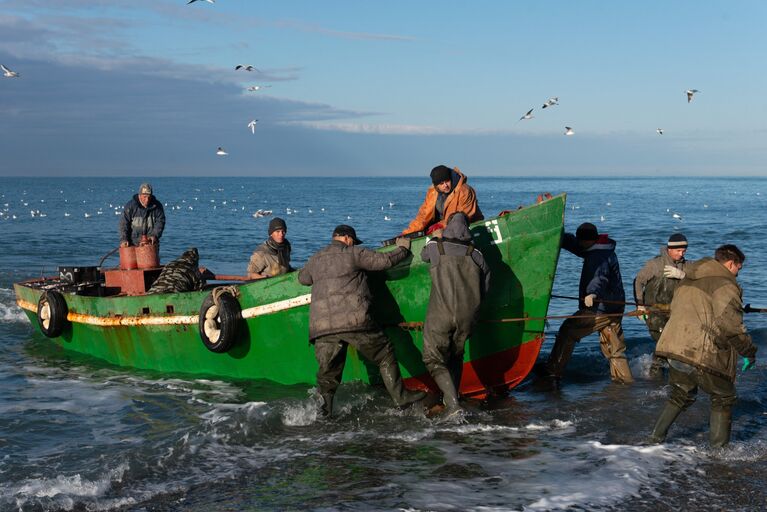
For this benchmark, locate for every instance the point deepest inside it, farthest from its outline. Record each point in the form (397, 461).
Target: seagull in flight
(529, 115)
(569, 131)
(246, 67)
(193, 1)
(254, 88)
(7, 73)
(690, 93)
(220, 151)
(551, 102)
(659, 130)
(252, 125)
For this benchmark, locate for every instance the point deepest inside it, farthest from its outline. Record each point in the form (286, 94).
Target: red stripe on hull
(494, 374)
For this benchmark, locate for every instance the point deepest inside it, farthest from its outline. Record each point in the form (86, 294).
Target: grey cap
(145, 188)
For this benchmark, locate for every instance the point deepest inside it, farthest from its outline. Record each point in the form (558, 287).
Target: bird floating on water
(659, 130)
(676, 216)
(246, 67)
(551, 102)
(220, 151)
(7, 73)
(569, 131)
(254, 88)
(690, 93)
(252, 125)
(529, 115)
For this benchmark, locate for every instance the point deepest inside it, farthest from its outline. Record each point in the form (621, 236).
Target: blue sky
(360, 88)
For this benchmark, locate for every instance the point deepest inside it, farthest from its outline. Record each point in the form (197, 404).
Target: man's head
(144, 194)
(442, 178)
(731, 257)
(277, 230)
(587, 235)
(346, 235)
(676, 246)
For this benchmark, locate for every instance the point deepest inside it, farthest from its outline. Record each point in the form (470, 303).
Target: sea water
(79, 434)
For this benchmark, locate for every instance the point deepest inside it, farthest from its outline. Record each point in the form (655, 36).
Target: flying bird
(690, 93)
(569, 131)
(659, 130)
(193, 1)
(529, 115)
(257, 87)
(7, 73)
(551, 102)
(220, 151)
(246, 67)
(252, 125)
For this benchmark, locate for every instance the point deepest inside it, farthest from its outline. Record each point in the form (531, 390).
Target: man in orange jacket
(449, 194)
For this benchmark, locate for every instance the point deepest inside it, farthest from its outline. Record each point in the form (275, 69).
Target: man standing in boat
(702, 340)
(656, 283)
(272, 257)
(460, 278)
(339, 314)
(448, 194)
(143, 217)
(602, 301)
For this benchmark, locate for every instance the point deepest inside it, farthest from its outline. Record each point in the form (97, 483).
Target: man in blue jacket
(601, 305)
(143, 216)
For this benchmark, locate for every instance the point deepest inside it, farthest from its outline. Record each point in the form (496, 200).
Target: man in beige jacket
(702, 340)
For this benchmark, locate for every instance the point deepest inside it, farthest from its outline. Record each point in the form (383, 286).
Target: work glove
(672, 272)
(403, 242)
(588, 300)
(748, 364)
(642, 316)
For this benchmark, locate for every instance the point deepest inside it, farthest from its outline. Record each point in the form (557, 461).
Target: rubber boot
(559, 357)
(326, 407)
(393, 382)
(720, 425)
(449, 394)
(666, 418)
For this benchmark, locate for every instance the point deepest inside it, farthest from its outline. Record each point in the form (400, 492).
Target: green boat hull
(160, 332)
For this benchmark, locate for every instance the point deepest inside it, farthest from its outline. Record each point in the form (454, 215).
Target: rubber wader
(720, 424)
(666, 418)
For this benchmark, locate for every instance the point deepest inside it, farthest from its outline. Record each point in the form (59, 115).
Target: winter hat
(587, 232)
(441, 173)
(344, 230)
(677, 241)
(277, 223)
(145, 188)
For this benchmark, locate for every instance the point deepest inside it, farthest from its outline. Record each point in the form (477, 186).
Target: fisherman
(460, 278)
(272, 257)
(600, 308)
(702, 340)
(143, 219)
(339, 314)
(450, 193)
(655, 284)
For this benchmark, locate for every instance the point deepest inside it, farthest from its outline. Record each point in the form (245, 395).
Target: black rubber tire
(227, 322)
(56, 305)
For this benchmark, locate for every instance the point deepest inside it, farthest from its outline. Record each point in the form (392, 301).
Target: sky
(351, 88)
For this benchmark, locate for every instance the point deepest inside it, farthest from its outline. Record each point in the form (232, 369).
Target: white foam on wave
(301, 414)
(9, 311)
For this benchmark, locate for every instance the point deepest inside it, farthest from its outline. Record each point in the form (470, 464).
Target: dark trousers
(684, 388)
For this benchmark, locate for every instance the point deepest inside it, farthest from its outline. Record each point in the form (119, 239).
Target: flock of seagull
(569, 130)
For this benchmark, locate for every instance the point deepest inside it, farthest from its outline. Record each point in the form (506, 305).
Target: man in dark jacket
(601, 304)
(656, 283)
(339, 314)
(702, 340)
(459, 279)
(143, 216)
(271, 258)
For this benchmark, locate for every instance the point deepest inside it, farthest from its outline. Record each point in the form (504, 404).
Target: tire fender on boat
(219, 321)
(52, 313)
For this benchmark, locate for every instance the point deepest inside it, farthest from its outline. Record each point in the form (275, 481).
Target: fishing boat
(259, 329)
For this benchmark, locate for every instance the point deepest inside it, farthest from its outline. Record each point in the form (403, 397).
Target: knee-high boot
(326, 407)
(720, 425)
(666, 418)
(449, 393)
(559, 356)
(393, 382)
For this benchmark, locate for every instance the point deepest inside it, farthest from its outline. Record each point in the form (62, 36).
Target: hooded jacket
(137, 220)
(461, 198)
(706, 328)
(600, 274)
(341, 297)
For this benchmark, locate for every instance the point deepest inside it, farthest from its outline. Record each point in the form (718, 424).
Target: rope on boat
(218, 291)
